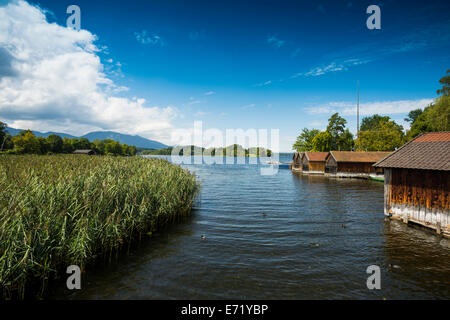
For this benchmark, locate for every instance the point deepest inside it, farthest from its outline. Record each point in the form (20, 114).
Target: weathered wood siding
(387, 191)
(360, 167)
(423, 188)
(305, 163)
(298, 162)
(316, 166)
(420, 196)
(330, 165)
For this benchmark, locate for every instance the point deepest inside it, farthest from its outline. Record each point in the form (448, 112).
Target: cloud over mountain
(52, 78)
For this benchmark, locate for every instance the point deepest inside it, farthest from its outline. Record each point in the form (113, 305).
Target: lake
(282, 236)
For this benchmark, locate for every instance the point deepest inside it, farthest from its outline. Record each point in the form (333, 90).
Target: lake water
(283, 236)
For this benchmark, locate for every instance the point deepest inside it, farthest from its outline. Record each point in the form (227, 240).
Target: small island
(234, 150)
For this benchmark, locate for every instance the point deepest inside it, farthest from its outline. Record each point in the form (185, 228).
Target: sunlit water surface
(282, 236)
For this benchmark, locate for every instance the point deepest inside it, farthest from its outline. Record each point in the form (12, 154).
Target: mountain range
(138, 141)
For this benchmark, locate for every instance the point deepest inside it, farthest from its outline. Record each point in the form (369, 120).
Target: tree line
(27, 143)
(379, 133)
(235, 150)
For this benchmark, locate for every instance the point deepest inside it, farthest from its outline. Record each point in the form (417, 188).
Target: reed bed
(61, 210)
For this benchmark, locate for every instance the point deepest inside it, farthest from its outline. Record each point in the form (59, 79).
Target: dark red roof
(433, 137)
(430, 151)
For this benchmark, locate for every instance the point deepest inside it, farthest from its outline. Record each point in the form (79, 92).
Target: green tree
(5, 138)
(384, 134)
(2, 131)
(435, 117)
(336, 128)
(380, 133)
(373, 122)
(80, 144)
(131, 150)
(304, 140)
(128, 150)
(322, 142)
(113, 148)
(99, 146)
(413, 115)
(26, 142)
(67, 146)
(445, 81)
(43, 145)
(7, 142)
(55, 143)
(346, 141)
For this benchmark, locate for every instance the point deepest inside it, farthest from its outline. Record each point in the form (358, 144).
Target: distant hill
(137, 141)
(15, 132)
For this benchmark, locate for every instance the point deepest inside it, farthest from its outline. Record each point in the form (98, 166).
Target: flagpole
(357, 114)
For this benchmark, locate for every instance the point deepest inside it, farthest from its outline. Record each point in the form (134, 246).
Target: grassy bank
(60, 210)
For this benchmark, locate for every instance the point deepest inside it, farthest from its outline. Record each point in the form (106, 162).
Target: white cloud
(370, 108)
(59, 82)
(263, 83)
(387, 107)
(144, 38)
(209, 93)
(332, 67)
(275, 41)
(318, 71)
(252, 105)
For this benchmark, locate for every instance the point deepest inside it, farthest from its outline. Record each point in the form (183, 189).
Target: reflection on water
(284, 236)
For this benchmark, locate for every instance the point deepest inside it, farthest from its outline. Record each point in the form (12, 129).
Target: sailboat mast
(357, 114)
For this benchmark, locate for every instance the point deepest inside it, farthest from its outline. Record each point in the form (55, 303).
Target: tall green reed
(60, 210)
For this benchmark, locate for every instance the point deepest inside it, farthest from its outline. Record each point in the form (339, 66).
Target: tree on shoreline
(304, 140)
(379, 133)
(445, 81)
(5, 138)
(335, 137)
(27, 143)
(435, 117)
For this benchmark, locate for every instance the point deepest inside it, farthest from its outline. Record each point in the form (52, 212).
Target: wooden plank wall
(421, 196)
(317, 166)
(421, 188)
(387, 191)
(365, 167)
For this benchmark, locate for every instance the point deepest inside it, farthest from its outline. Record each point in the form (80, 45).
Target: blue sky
(266, 64)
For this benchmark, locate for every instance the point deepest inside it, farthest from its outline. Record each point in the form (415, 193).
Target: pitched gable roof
(316, 156)
(83, 151)
(430, 151)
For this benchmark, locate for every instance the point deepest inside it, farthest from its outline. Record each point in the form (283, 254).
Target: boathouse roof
(297, 155)
(358, 156)
(430, 151)
(316, 156)
(84, 151)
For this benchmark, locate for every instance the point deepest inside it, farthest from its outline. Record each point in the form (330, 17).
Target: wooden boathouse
(297, 161)
(87, 152)
(353, 164)
(417, 182)
(314, 162)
